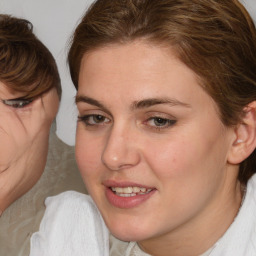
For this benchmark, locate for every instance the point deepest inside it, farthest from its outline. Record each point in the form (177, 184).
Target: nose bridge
(120, 149)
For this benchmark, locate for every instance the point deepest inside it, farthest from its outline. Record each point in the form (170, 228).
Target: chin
(128, 237)
(129, 233)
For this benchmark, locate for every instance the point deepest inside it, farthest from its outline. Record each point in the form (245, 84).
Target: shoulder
(252, 183)
(240, 238)
(72, 210)
(71, 220)
(251, 195)
(70, 206)
(69, 201)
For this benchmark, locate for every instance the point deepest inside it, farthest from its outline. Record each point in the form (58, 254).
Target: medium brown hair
(26, 65)
(214, 38)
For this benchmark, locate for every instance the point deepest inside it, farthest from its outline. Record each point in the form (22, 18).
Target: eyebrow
(158, 101)
(145, 103)
(91, 101)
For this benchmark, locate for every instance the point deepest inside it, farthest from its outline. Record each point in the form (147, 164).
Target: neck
(200, 233)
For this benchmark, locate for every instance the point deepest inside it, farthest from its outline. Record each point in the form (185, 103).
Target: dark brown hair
(26, 65)
(215, 38)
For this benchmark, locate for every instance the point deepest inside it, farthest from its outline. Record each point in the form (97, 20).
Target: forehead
(135, 66)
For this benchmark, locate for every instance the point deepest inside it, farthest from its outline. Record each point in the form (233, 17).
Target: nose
(120, 150)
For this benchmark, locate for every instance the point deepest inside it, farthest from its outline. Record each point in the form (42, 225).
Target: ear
(245, 140)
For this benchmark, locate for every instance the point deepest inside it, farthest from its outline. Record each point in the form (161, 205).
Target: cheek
(170, 158)
(13, 140)
(7, 151)
(88, 154)
(181, 158)
(51, 104)
(183, 174)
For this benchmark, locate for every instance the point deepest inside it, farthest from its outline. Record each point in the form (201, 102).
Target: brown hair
(26, 65)
(215, 38)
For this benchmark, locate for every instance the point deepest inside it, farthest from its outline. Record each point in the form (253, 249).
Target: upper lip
(124, 184)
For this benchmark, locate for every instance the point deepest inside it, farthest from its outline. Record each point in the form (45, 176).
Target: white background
(54, 21)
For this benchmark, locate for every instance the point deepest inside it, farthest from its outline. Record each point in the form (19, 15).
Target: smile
(127, 196)
(130, 191)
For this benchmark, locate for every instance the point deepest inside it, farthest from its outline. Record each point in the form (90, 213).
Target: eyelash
(86, 120)
(17, 103)
(166, 122)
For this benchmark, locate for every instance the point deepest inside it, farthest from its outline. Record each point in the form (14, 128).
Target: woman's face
(24, 135)
(21, 120)
(150, 145)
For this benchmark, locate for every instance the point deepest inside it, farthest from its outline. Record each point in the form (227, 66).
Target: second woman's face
(24, 134)
(150, 145)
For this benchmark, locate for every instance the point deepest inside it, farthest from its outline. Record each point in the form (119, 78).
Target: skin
(185, 160)
(24, 134)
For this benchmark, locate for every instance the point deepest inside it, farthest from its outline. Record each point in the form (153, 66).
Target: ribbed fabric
(240, 238)
(71, 226)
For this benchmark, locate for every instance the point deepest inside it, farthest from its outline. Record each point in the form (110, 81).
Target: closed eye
(17, 103)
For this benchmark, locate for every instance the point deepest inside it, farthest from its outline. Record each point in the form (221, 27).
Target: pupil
(98, 119)
(160, 121)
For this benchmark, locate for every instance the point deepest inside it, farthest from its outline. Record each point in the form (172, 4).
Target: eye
(160, 123)
(17, 103)
(93, 120)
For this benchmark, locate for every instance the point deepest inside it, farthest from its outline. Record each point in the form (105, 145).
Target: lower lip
(127, 202)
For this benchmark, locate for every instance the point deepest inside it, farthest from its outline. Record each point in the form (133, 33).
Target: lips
(123, 195)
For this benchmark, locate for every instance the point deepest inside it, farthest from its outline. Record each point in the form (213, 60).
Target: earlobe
(245, 141)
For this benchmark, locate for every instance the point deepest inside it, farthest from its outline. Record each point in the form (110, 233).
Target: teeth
(136, 189)
(130, 191)
(143, 190)
(127, 195)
